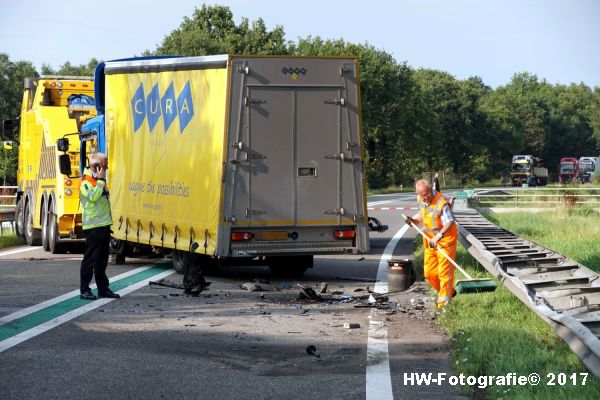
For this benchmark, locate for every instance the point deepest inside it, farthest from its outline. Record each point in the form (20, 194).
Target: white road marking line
(46, 326)
(376, 203)
(56, 300)
(379, 380)
(18, 250)
(392, 208)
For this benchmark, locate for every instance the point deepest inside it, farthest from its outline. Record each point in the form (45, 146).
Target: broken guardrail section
(561, 291)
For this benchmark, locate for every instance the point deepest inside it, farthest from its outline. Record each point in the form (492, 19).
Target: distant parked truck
(527, 169)
(47, 209)
(568, 170)
(588, 168)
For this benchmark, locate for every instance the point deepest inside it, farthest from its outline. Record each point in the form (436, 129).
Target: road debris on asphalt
(259, 285)
(312, 350)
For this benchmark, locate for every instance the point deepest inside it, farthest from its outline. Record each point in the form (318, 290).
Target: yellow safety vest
(94, 202)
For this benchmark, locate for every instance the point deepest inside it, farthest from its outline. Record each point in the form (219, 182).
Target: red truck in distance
(568, 170)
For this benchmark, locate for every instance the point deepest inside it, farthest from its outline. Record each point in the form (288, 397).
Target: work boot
(87, 295)
(108, 294)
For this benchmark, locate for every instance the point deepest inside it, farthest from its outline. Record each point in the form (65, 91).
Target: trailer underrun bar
(561, 291)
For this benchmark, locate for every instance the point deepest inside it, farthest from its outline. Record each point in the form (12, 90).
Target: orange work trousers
(439, 272)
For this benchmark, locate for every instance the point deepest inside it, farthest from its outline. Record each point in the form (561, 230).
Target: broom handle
(440, 250)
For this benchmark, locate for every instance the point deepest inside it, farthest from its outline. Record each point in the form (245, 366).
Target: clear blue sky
(558, 40)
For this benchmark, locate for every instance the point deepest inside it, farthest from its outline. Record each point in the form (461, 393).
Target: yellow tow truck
(47, 209)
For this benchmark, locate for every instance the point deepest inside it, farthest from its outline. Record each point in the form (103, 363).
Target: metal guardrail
(561, 291)
(538, 197)
(8, 197)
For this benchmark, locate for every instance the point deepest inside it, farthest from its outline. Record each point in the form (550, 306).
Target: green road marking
(27, 322)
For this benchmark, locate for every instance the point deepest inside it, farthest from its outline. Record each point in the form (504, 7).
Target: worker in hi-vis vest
(97, 220)
(440, 227)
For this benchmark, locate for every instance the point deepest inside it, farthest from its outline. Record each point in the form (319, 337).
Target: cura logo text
(153, 106)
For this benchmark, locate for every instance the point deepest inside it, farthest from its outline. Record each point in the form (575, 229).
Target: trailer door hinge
(250, 212)
(249, 101)
(243, 70)
(230, 220)
(344, 71)
(335, 211)
(338, 102)
(343, 157)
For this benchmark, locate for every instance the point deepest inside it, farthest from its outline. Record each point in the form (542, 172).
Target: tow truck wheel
(32, 235)
(45, 226)
(54, 246)
(289, 267)
(19, 220)
(182, 260)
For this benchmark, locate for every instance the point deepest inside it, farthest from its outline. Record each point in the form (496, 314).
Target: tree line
(415, 120)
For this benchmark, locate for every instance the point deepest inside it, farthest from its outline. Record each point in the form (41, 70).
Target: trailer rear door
(291, 131)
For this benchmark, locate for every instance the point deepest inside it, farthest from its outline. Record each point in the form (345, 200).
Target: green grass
(10, 240)
(495, 334)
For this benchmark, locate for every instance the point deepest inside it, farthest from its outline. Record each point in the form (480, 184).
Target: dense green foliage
(414, 120)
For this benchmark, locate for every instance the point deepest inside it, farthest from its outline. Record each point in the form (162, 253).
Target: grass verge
(10, 240)
(495, 334)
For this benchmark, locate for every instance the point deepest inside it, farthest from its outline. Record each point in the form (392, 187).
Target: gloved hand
(434, 240)
(410, 220)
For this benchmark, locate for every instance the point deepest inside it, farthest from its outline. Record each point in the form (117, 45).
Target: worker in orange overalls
(440, 227)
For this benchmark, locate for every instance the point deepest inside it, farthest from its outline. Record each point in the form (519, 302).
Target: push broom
(469, 285)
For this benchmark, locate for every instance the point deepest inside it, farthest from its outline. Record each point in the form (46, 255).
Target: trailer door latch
(336, 211)
(343, 157)
(249, 158)
(337, 102)
(250, 212)
(249, 101)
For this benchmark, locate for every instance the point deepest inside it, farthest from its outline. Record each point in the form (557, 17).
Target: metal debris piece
(308, 293)
(166, 283)
(323, 287)
(258, 287)
(312, 350)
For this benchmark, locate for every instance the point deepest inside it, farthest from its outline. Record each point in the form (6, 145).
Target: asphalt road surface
(228, 343)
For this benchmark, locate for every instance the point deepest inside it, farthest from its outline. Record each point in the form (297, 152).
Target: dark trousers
(95, 259)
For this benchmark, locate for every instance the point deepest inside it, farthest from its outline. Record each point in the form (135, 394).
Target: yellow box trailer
(236, 157)
(47, 210)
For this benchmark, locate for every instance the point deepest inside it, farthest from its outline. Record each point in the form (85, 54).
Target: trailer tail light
(68, 182)
(68, 192)
(344, 234)
(241, 236)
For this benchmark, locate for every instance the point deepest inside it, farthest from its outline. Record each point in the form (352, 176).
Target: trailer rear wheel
(32, 235)
(119, 249)
(182, 260)
(289, 266)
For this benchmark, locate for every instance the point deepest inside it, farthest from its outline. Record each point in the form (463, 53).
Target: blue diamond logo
(169, 107)
(153, 107)
(138, 108)
(185, 107)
